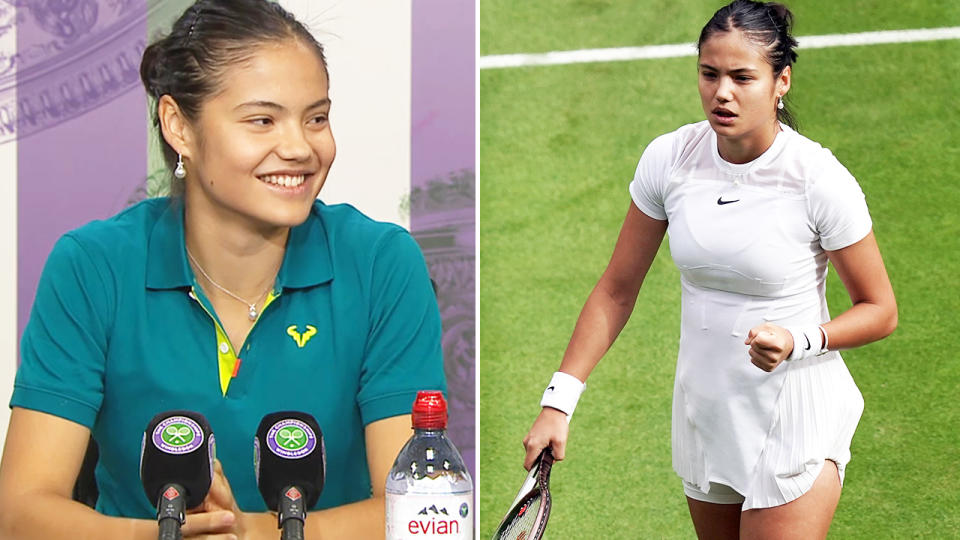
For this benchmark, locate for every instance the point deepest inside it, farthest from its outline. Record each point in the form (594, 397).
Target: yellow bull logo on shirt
(298, 338)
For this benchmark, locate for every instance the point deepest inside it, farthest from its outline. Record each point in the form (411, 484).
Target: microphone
(176, 466)
(289, 461)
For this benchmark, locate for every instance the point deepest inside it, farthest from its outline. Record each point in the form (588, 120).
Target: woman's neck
(749, 147)
(232, 251)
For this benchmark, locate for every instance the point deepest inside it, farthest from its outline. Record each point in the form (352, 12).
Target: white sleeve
(652, 176)
(838, 208)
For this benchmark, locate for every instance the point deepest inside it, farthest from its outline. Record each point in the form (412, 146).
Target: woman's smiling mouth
(284, 180)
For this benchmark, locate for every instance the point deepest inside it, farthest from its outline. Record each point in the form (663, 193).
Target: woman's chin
(287, 217)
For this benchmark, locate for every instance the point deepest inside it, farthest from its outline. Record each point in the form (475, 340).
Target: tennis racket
(527, 518)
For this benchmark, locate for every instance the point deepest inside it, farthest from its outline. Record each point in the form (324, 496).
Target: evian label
(429, 516)
(177, 435)
(291, 439)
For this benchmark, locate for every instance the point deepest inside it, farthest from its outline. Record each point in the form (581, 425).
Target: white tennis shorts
(724, 494)
(718, 493)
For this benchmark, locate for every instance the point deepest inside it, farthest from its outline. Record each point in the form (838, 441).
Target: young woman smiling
(241, 296)
(764, 408)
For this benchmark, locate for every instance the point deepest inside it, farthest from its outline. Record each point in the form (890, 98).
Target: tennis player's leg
(716, 513)
(805, 518)
(714, 521)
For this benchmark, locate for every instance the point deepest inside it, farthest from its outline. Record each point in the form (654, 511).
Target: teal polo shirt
(120, 331)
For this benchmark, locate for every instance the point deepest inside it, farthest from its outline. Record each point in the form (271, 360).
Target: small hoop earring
(780, 103)
(180, 172)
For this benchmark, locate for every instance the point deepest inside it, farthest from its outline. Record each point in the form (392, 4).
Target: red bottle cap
(430, 410)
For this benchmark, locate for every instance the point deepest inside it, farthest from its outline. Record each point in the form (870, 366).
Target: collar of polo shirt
(306, 263)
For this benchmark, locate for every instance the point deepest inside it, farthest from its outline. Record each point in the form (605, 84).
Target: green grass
(509, 26)
(558, 146)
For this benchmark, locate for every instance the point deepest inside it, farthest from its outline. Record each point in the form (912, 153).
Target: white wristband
(807, 341)
(563, 392)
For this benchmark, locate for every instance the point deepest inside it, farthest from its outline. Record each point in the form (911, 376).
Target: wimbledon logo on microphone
(177, 435)
(291, 439)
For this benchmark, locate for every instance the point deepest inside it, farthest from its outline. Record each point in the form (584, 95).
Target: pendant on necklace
(253, 312)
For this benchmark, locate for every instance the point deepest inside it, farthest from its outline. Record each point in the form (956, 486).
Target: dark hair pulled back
(768, 24)
(211, 35)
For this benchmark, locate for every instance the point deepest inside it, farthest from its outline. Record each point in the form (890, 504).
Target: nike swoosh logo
(720, 201)
(551, 388)
(808, 342)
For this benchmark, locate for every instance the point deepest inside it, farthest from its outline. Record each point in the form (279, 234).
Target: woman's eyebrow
(260, 104)
(277, 106)
(737, 70)
(319, 103)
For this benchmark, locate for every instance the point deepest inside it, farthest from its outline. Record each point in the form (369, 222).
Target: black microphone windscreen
(288, 451)
(178, 448)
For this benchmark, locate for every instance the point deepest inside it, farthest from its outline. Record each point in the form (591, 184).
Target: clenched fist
(769, 345)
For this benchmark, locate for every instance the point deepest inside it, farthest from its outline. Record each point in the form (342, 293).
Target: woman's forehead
(732, 50)
(287, 73)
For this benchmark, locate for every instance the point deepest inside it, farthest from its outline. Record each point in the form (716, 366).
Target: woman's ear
(174, 125)
(783, 81)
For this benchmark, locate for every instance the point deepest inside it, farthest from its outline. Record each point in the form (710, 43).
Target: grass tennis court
(558, 146)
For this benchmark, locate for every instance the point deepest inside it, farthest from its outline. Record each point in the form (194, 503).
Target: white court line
(688, 49)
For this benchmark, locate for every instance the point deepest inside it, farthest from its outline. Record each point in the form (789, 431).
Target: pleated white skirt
(816, 416)
(766, 435)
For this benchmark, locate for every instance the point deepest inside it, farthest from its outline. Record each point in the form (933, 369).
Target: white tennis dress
(749, 241)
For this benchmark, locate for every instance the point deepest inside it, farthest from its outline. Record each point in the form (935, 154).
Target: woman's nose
(724, 91)
(293, 145)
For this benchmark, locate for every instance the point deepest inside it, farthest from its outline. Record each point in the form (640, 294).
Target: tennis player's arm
(873, 315)
(364, 519)
(41, 460)
(603, 316)
(609, 306)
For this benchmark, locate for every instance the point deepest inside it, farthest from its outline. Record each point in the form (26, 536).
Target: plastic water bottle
(429, 490)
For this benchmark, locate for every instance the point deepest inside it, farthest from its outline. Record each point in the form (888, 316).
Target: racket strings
(528, 514)
(525, 522)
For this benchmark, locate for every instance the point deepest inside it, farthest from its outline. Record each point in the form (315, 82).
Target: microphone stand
(171, 510)
(291, 514)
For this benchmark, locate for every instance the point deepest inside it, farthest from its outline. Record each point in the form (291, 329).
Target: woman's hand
(769, 345)
(549, 429)
(219, 525)
(219, 518)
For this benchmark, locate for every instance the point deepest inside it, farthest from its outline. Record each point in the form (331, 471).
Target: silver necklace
(251, 306)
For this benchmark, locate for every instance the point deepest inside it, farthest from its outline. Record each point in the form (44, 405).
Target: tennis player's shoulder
(346, 226)
(679, 142)
(817, 163)
(124, 236)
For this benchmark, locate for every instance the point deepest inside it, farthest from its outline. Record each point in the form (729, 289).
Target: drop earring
(780, 103)
(180, 172)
